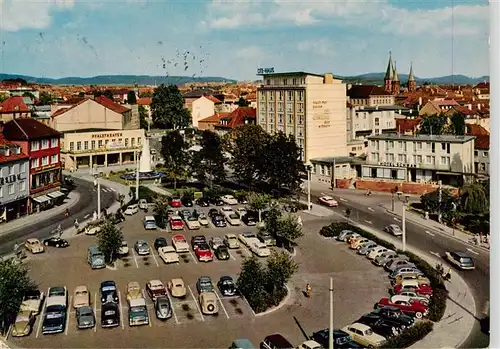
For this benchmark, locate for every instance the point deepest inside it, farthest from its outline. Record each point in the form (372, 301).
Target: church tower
(389, 75)
(411, 80)
(396, 84)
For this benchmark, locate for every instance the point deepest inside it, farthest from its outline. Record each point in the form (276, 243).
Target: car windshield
(81, 293)
(138, 310)
(85, 312)
(54, 315)
(227, 282)
(466, 262)
(109, 313)
(192, 219)
(233, 216)
(343, 340)
(57, 291)
(108, 288)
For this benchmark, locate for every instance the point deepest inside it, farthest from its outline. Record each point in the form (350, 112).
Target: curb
(279, 306)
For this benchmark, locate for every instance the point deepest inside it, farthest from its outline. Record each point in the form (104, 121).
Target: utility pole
(137, 177)
(330, 332)
(334, 184)
(403, 223)
(392, 200)
(440, 199)
(308, 188)
(97, 183)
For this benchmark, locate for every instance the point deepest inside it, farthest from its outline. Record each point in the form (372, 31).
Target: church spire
(410, 76)
(390, 69)
(412, 86)
(395, 76)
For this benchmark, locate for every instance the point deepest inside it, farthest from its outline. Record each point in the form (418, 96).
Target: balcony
(102, 150)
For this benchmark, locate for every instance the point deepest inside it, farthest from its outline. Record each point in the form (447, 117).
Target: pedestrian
(477, 239)
(481, 237)
(308, 290)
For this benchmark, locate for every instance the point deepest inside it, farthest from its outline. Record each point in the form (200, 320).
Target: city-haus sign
(108, 135)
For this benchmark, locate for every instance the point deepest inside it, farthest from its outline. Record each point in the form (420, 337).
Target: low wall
(407, 188)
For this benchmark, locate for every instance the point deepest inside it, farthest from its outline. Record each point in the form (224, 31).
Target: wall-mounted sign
(265, 71)
(107, 135)
(11, 179)
(321, 114)
(46, 167)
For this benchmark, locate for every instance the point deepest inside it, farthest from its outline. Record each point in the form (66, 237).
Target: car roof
(226, 277)
(137, 302)
(167, 249)
(156, 283)
(178, 237)
(149, 218)
(108, 283)
(133, 283)
(33, 240)
(279, 341)
(161, 239)
(230, 235)
(204, 278)
(462, 255)
(177, 281)
(359, 326)
(175, 217)
(243, 343)
(110, 305)
(81, 288)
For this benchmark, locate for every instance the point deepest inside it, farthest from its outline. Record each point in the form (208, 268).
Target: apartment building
(369, 95)
(310, 107)
(420, 158)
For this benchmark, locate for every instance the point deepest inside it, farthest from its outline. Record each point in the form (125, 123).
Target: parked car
(208, 303)
(367, 248)
(310, 344)
(404, 270)
(203, 253)
(247, 238)
(57, 295)
(233, 219)
(155, 289)
(226, 210)
(394, 230)
(142, 248)
(352, 237)
(276, 341)
(405, 298)
(394, 314)
(222, 253)
(177, 288)
(229, 200)
(176, 223)
(328, 201)
(241, 211)
(175, 202)
(213, 212)
(56, 242)
(260, 249)
(149, 223)
(32, 301)
(413, 286)
(216, 242)
(415, 308)
(187, 201)
(168, 254)
(231, 241)
(85, 317)
(23, 325)
(123, 250)
(358, 243)
(197, 240)
(193, 223)
(204, 284)
(133, 291)
(138, 312)
(384, 327)
(341, 339)
(163, 308)
(219, 221)
(413, 295)
(34, 246)
(418, 276)
(384, 258)
(344, 234)
(108, 292)
(131, 210)
(226, 286)
(202, 218)
(110, 315)
(203, 202)
(364, 335)
(160, 242)
(460, 260)
(377, 252)
(398, 263)
(266, 238)
(93, 230)
(143, 204)
(215, 200)
(81, 297)
(180, 244)
(184, 214)
(250, 219)
(55, 319)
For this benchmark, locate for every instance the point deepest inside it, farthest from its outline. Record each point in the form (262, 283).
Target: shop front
(14, 209)
(45, 189)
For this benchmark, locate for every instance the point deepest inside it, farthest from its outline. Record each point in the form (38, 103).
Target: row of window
(289, 107)
(280, 95)
(11, 188)
(417, 159)
(12, 170)
(285, 81)
(44, 144)
(416, 146)
(44, 161)
(484, 153)
(388, 125)
(103, 143)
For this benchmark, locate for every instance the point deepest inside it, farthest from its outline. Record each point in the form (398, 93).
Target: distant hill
(378, 79)
(117, 80)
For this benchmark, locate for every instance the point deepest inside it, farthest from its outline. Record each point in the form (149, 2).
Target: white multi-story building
(420, 158)
(310, 107)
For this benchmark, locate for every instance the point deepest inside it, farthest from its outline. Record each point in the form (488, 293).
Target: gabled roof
(214, 118)
(144, 101)
(365, 91)
(24, 129)
(108, 103)
(65, 109)
(252, 96)
(237, 117)
(14, 104)
(13, 155)
(198, 93)
(476, 130)
(483, 85)
(482, 142)
(213, 99)
(407, 125)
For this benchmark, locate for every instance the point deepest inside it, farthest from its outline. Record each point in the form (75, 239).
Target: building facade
(420, 158)
(369, 96)
(202, 108)
(14, 108)
(14, 184)
(101, 148)
(482, 155)
(310, 107)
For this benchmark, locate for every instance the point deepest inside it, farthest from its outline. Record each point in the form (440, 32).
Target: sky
(232, 38)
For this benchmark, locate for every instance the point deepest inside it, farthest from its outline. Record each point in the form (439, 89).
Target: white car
(168, 254)
(231, 241)
(143, 204)
(131, 210)
(193, 223)
(229, 200)
(93, 230)
(123, 250)
(203, 219)
(393, 229)
(57, 296)
(377, 252)
(260, 249)
(180, 244)
(241, 211)
(328, 201)
(310, 345)
(246, 238)
(232, 218)
(408, 299)
(226, 209)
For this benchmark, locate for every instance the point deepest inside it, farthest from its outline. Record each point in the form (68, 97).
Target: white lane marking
(396, 219)
(247, 251)
(371, 209)
(196, 303)
(231, 255)
(121, 312)
(173, 308)
(220, 301)
(369, 222)
(193, 257)
(86, 216)
(428, 232)
(68, 318)
(435, 254)
(154, 257)
(95, 312)
(112, 189)
(8, 333)
(135, 257)
(342, 199)
(40, 321)
(472, 251)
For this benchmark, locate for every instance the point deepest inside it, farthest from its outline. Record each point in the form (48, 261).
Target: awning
(55, 194)
(41, 199)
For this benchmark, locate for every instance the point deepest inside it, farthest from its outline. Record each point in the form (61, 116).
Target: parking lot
(188, 327)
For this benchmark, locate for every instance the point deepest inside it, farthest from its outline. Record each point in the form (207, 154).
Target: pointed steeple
(390, 70)
(395, 76)
(411, 77)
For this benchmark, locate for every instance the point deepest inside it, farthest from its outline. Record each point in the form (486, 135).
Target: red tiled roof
(23, 129)
(365, 91)
(13, 156)
(214, 118)
(483, 85)
(444, 102)
(252, 96)
(144, 101)
(213, 99)
(476, 130)
(406, 125)
(14, 105)
(482, 142)
(464, 110)
(108, 103)
(64, 110)
(237, 117)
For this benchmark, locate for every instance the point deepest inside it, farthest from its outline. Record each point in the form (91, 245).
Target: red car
(176, 223)
(203, 253)
(175, 202)
(412, 308)
(414, 286)
(328, 201)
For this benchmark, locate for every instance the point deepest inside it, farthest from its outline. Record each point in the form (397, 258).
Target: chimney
(349, 86)
(479, 106)
(328, 78)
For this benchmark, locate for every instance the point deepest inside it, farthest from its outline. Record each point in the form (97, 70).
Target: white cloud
(322, 47)
(250, 52)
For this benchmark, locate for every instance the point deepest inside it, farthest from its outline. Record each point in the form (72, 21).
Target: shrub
(410, 336)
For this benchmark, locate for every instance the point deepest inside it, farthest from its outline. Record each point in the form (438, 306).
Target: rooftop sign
(261, 71)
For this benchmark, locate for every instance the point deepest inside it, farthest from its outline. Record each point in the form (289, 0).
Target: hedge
(335, 228)
(410, 335)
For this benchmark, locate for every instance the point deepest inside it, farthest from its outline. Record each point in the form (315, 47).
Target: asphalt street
(431, 242)
(85, 206)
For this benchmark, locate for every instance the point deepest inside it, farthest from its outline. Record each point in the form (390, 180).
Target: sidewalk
(71, 200)
(317, 210)
(431, 224)
(118, 187)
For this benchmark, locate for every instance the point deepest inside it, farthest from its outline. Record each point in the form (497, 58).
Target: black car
(203, 202)
(160, 242)
(226, 286)
(215, 200)
(219, 221)
(110, 315)
(56, 242)
(384, 327)
(198, 240)
(213, 212)
(242, 199)
(250, 219)
(341, 339)
(108, 291)
(55, 319)
(394, 314)
(187, 201)
(222, 253)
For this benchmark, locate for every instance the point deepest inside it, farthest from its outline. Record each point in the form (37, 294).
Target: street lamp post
(403, 223)
(330, 329)
(138, 154)
(308, 168)
(97, 183)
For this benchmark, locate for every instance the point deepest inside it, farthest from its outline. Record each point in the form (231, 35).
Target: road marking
(396, 219)
(8, 333)
(428, 232)
(369, 222)
(472, 251)
(154, 257)
(435, 254)
(112, 189)
(40, 321)
(220, 301)
(95, 312)
(371, 209)
(342, 199)
(135, 257)
(196, 303)
(86, 216)
(121, 312)
(68, 318)
(172, 307)
(193, 257)
(231, 255)
(247, 251)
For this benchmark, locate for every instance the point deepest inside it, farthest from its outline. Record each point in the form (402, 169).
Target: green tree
(271, 222)
(280, 268)
(3, 97)
(45, 98)
(258, 202)
(288, 229)
(473, 199)
(457, 126)
(143, 118)
(242, 102)
(251, 283)
(282, 166)
(131, 97)
(173, 151)
(430, 201)
(208, 162)
(433, 124)
(160, 210)
(14, 283)
(30, 95)
(249, 142)
(109, 241)
(167, 107)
